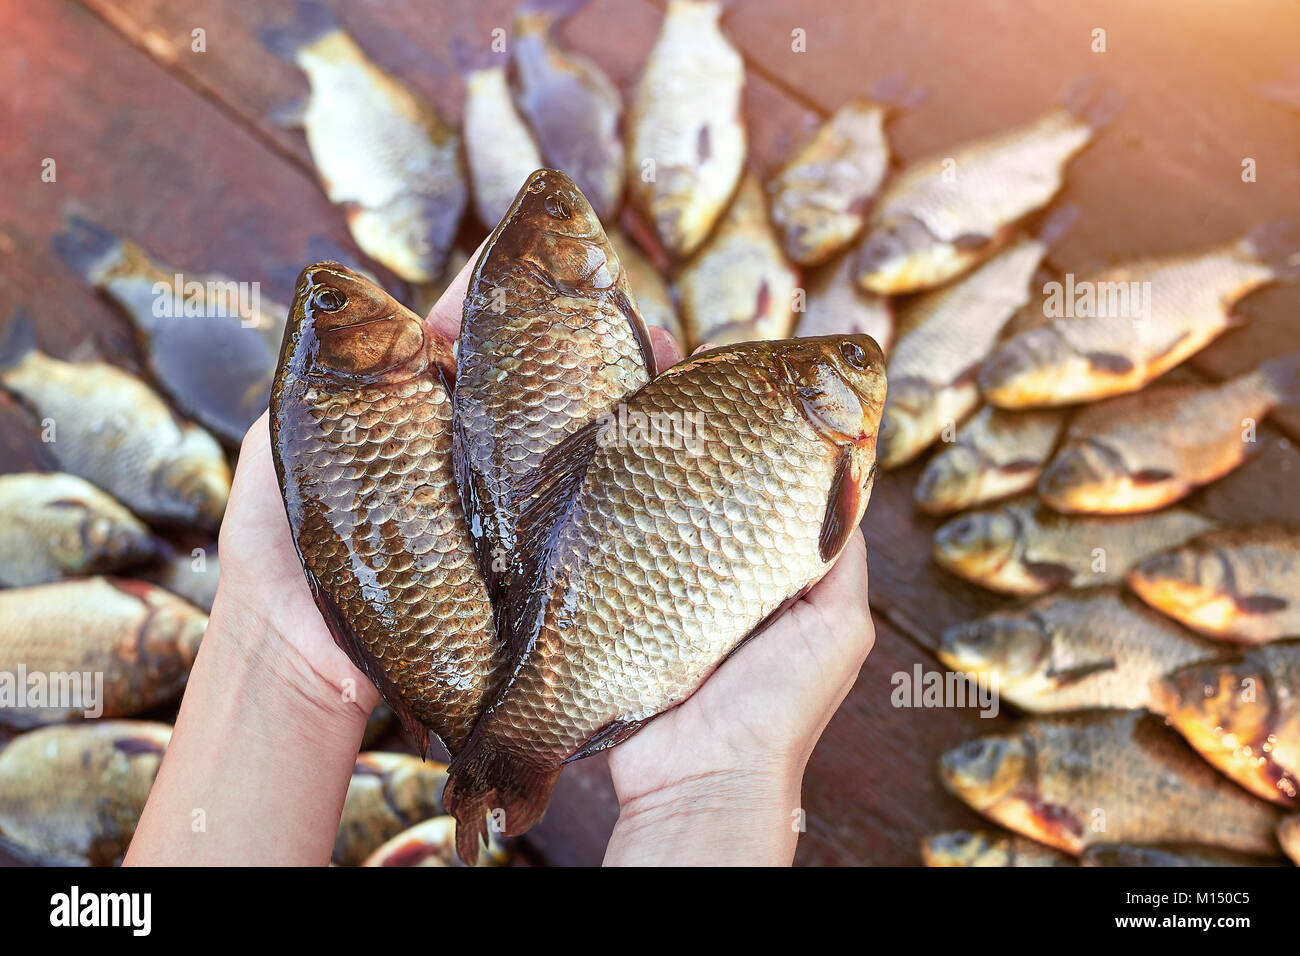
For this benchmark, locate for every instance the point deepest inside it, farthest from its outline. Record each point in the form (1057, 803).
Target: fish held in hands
(361, 435)
(661, 550)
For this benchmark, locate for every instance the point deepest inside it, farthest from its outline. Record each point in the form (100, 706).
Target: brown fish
(820, 196)
(1144, 451)
(1169, 854)
(57, 525)
(835, 306)
(1243, 716)
(138, 639)
(361, 434)
(1114, 331)
(1240, 584)
(433, 843)
(995, 454)
(727, 487)
(1094, 647)
(739, 287)
(551, 340)
(1023, 547)
(1072, 781)
(499, 149)
(1288, 834)
(105, 425)
(71, 796)
(686, 143)
(983, 848)
(388, 793)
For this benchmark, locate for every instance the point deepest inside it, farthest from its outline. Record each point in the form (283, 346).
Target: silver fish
(499, 148)
(834, 305)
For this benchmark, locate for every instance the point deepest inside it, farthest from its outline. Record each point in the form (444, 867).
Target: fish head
(901, 254)
(1013, 646)
(984, 771)
(905, 426)
(1189, 583)
(979, 543)
(963, 848)
(1026, 368)
(951, 479)
(1081, 474)
(839, 383)
(1217, 704)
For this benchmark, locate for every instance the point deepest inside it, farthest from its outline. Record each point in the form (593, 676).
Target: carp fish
(381, 152)
(362, 440)
(834, 305)
(107, 426)
(71, 796)
(126, 647)
(1073, 781)
(433, 843)
(191, 573)
(1116, 330)
(1144, 451)
(1095, 647)
(388, 793)
(1239, 584)
(1243, 716)
(1023, 547)
(499, 148)
(54, 526)
(686, 142)
(673, 544)
(983, 848)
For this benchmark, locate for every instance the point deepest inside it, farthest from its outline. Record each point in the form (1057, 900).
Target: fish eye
(328, 300)
(556, 207)
(854, 354)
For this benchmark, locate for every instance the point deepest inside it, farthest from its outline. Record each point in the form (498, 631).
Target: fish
(191, 573)
(671, 547)
(56, 525)
(499, 148)
(71, 796)
(551, 339)
(574, 109)
(1023, 547)
(821, 195)
(1288, 834)
(834, 305)
(208, 341)
(653, 298)
(686, 142)
(361, 436)
(433, 843)
(984, 848)
(946, 213)
(381, 151)
(105, 425)
(388, 793)
(1073, 781)
(1149, 449)
(1166, 855)
(136, 638)
(1094, 647)
(944, 335)
(1242, 715)
(739, 286)
(1116, 330)
(994, 454)
(1238, 584)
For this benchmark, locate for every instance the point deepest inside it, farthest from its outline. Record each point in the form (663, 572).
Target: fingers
(667, 353)
(446, 313)
(841, 598)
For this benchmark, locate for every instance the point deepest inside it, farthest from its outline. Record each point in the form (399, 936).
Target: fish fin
(290, 115)
(611, 735)
(311, 21)
(1092, 102)
(483, 781)
(19, 339)
(626, 304)
(893, 91)
(134, 746)
(1277, 245)
(473, 508)
(1261, 604)
(1050, 573)
(1072, 675)
(842, 505)
(1057, 223)
(86, 246)
(1282, 377)
(1110, 362)
(350, 644)
(971, 241)
(1150, 476)
(1019, 466)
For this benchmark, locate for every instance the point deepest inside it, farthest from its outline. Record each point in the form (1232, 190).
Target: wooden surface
(178, 149)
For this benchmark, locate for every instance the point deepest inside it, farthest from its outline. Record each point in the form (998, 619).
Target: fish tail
(1277, 244)
(86, 246)
(485, 783)
(1057, 223)
(1092, 102)
(311, 21)
(1282, 377)
(18, 340)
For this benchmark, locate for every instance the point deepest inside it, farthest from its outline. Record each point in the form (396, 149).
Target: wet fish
(686, 142)
(1238, 584)
(653, 298)
(739, 287)
(57, 525)
(209, 341)
(1143, 451)
(433, 843)
(943, 336)
(675, 543)
(388, 793)
(946, 213)
(551, 340)
(499, 148)
(820, 196)
(361, 435)
(572, 106)
(1096, 647)
(1243, 716)
(835, 306)
(71, 796)
(984, 848)
(107, 426)
(1120, 328)
(1288, 834)
(137, 638)
(995, 454)
(1164, 855)
(1022, 547)
(1073, 781)
(380, 151)
(188, 572)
